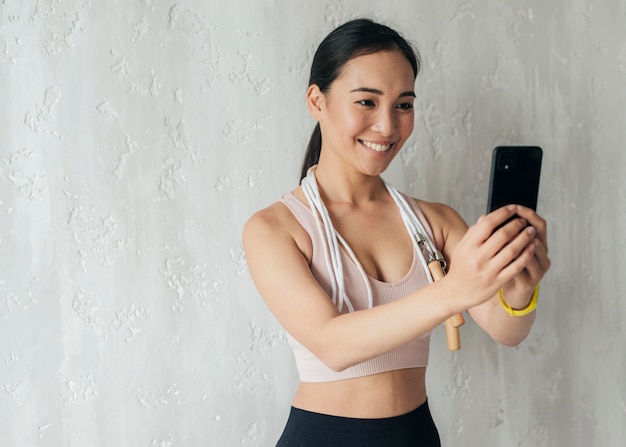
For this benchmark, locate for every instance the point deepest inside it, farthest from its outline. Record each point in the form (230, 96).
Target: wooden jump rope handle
(452, 323)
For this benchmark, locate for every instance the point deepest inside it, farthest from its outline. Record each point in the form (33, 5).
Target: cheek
(353, 122)
(407, 124)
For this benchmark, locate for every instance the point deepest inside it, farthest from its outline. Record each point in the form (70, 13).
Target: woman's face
(367, 114)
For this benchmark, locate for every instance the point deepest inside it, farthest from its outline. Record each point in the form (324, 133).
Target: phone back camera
(506, 161)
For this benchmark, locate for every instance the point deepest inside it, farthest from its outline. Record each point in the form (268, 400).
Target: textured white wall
(137, 136)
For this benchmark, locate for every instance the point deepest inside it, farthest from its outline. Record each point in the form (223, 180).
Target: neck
(338, 184)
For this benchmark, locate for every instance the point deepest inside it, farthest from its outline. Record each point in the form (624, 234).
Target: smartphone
(515, 172)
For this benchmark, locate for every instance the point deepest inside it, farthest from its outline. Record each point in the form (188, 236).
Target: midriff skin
(386, 394)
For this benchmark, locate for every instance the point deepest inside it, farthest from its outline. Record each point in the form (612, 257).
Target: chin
(378, 165)
(374, 171)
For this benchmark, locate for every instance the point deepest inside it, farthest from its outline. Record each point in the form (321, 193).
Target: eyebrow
(379, 92)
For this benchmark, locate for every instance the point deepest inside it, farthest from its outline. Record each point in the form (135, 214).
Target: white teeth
(376, 147)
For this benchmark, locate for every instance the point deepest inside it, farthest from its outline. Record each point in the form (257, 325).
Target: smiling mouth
(375, 146)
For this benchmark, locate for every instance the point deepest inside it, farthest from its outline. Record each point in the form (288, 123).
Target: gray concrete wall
(136, 137)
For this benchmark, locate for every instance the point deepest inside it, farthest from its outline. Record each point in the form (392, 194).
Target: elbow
(328, 349)
(338, 368)
(511, 341)
(334, 361)
(510, 331)
(337, 351)
(335, 357)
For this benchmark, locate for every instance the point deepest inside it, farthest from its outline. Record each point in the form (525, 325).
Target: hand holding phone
(515, 173)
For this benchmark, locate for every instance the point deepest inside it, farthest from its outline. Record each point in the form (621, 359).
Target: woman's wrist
(518, 312)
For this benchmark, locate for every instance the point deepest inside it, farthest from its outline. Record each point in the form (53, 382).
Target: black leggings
(307, 429)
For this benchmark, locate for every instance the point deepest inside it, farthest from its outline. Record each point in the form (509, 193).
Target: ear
(315, 101)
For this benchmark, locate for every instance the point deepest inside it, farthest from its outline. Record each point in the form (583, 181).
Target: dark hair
(352, 39)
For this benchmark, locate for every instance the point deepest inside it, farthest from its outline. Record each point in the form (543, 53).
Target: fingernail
(511, 207)
(531, 230)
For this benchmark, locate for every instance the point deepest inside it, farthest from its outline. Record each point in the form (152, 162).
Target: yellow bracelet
(520, 312)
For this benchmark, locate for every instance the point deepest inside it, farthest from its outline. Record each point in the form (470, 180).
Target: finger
(540, 263)
(518, 265)
(489, 222)
(533, 272)
(536, 221)
(510, 252)
(541, 254)
(504, 236)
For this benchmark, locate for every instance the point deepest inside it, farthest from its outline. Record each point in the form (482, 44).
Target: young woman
(340, 261)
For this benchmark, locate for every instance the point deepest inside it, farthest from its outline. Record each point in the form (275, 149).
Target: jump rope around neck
(431, 259)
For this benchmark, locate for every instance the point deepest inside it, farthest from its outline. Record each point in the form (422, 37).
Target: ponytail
(312, 156)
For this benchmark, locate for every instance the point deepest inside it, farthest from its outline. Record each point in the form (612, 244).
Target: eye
(405, 106)
(366, 102)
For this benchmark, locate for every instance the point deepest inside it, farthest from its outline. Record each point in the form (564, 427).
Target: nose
(386, 122)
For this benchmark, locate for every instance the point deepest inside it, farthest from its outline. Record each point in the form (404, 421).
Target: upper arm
(447, 225)
(281, 273)
(448, 229)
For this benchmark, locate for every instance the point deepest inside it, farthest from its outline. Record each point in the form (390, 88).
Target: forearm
(507, 329)
(352, 338)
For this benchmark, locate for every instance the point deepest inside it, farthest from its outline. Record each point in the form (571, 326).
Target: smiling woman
(342, 260)
(357, 38)
(366, 109)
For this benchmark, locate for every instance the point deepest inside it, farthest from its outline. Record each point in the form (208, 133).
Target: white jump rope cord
(332, 240)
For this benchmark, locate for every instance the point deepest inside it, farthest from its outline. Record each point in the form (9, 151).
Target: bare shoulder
(277, 226)
(272, 222)
(447, 225)
(439, 213)
(268, 219)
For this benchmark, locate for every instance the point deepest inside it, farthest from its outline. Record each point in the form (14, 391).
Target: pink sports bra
(410, 355)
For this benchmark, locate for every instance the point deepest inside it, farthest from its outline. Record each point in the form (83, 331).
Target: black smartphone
(515, 172)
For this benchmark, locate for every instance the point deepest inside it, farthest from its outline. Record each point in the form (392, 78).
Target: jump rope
(431, 259)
